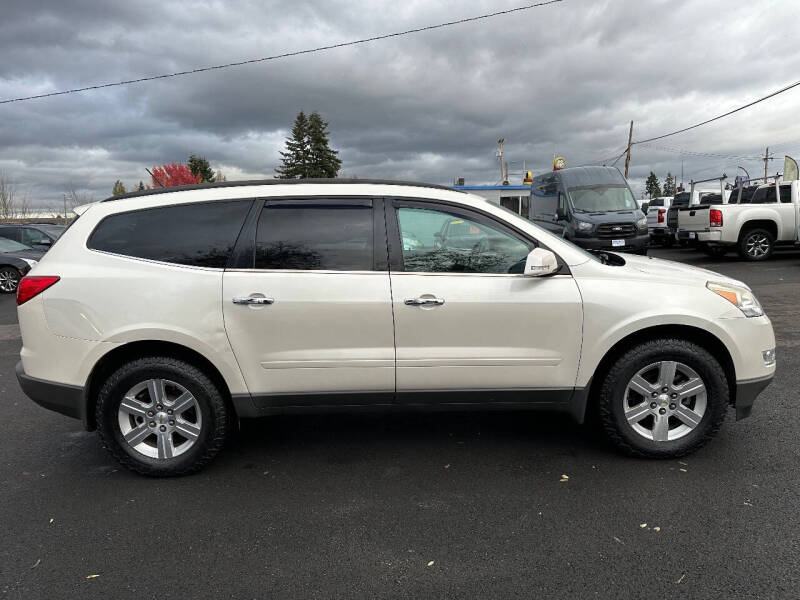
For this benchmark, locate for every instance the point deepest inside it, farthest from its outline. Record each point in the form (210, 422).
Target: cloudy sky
(565, 79)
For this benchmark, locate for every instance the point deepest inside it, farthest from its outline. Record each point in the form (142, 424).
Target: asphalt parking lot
(418, 506)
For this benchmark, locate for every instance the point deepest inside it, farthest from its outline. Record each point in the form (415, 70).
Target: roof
(491, 187)
(223, 184)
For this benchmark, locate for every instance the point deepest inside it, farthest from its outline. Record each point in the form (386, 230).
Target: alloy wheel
(757, 245)
(665, 401)
(159, 418)
(8, 281)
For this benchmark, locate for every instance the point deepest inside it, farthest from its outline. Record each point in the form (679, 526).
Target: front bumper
(746, 393)
(63, 398)
(632, 244)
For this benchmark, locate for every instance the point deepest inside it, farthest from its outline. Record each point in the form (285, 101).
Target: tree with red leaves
(172, 174)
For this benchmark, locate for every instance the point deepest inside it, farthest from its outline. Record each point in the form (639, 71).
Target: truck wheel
(756, 244)
(161, 416)
(663, 398)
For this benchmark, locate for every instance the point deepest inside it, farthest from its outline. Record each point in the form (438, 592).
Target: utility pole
(500, 143)
(628, 152)
(766, 159)
(65, 208)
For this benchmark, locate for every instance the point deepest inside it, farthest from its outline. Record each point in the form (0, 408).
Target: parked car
(36, 235)
(754, 228)
(592, 207)
(657, 221)
(164, 317)
(15, 261)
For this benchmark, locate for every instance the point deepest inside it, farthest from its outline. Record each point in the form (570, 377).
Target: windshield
(601, 198)
(7, 245)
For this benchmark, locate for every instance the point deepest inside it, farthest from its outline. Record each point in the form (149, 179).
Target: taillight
(661, 212)
(715, 218)
(33, 285)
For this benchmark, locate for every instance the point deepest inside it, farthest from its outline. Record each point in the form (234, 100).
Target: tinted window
(786, 193)
(764, 195)
(656, 202)
(681, 199)
(201, 235)
(12, 233)
(544, 197)
(32, 236)
(711, 199)
(439, 242)
(332, 237)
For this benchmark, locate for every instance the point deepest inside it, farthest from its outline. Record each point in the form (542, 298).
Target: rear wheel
(9, 280)
(756, 244)
(663, 399)
(161, 416)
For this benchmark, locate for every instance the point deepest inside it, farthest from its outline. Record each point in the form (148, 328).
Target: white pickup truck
(753, 226)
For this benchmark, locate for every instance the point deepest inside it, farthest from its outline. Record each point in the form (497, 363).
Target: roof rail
(327, 181)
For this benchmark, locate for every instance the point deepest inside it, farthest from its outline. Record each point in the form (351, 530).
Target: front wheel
(663, 399)
(161, 416)
(9, 280)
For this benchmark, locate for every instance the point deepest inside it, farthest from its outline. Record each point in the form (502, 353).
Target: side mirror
(561, 214)
(540, 263)
(43, 242)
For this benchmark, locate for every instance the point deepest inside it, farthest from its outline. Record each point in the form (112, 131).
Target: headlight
(741, 297)
(31, 263)
(642, 223)
(583, 225)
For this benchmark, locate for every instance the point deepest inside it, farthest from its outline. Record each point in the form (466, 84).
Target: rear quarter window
(201, 235)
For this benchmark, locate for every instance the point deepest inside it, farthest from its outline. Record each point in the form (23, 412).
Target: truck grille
(616, 231)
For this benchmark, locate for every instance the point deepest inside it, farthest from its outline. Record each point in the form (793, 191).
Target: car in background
(592, 207)
(15, 261)
(657, 221)
(37, 235)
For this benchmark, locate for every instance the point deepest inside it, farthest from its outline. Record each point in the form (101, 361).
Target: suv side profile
(161, 318)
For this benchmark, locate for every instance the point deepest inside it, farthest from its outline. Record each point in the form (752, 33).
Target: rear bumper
(63, 398)
(709, 236)
(632, 244)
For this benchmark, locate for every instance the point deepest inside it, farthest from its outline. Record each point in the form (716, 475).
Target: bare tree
(13, 205)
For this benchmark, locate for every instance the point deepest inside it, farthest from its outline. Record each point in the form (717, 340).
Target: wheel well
(123, 354)
(701, 337)
(770, 226)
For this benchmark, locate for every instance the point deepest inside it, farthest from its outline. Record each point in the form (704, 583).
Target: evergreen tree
(323, 160)
(652, 185)
(140, 187)
(669, 185)
(199, 166)
(294, 161)
(119, 188)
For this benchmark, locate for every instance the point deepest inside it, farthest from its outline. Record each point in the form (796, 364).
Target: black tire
(760, 237)
(214, 413)
(612, 398)
(9, 280)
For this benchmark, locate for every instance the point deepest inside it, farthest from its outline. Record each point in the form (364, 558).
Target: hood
(31, 254)
(612, 216)
(667, 270)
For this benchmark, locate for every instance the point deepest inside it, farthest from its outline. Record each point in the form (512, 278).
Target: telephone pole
(766, 160)
(628, 151)
(503, 172)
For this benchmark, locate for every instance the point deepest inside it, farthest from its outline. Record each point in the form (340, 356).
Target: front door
(309, 315)
(466, 319)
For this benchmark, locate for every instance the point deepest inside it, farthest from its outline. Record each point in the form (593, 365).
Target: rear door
(12, 233)
(467, 320)
(308, 307)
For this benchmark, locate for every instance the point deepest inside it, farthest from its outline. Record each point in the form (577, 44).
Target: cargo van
(592, 207)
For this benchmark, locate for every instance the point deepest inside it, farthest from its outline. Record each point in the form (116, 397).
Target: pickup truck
(657, 221)
(693, 197)
(754, 225)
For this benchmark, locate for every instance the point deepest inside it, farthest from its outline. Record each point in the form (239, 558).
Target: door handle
(252, 300)
(432, 301)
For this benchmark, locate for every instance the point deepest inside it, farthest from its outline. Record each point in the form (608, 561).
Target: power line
(286, 54)
(718, 117)
(694, 153)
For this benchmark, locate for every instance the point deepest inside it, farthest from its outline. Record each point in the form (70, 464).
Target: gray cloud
(564, 79)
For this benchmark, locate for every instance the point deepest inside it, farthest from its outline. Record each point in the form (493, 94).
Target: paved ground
(360, 506)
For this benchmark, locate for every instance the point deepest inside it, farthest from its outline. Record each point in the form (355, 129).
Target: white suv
(162, 317)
